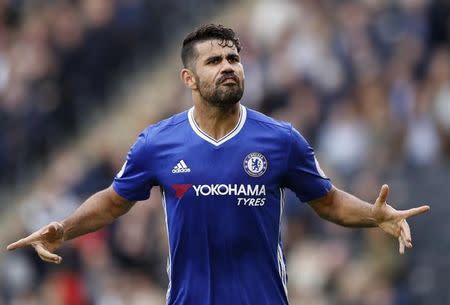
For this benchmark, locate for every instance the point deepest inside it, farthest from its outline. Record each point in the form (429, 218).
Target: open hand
(393, 221)
(45, 241)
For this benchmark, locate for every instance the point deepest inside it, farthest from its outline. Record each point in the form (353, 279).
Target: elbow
(324, 206)
(118, 205)
(328, 207)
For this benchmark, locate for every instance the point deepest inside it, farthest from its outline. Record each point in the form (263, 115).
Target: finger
(415, 211)
(50, 229)
(21, 243)
(406, 233)
(401, 248)
(53, 231)
(407, 243)
(45, 259)
(18, 244)
(47, 255)
(383, 193)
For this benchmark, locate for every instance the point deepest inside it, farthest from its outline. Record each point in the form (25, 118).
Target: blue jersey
(223, 201)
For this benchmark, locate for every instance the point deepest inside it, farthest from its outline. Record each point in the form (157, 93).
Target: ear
(187, 76)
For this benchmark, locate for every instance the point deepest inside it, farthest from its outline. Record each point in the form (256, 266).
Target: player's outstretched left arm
(347, 210)
(97, 211)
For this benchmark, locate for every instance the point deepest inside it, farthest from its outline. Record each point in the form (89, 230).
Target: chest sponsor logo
(255, 164)
(229, 190)
(248, 195)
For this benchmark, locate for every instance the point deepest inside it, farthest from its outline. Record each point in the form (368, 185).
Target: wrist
(373, 218)
(64, 227)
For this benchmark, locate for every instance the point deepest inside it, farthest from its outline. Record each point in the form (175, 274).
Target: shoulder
(262, 120)
(154, 135)
(167, 125)
(280, 129)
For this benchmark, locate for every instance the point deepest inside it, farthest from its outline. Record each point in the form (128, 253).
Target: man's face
(218, 73)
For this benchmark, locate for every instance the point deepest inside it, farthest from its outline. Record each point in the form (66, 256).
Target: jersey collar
(228, 136)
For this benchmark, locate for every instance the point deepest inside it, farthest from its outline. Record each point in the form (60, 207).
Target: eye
(233, 59)
(214, 60)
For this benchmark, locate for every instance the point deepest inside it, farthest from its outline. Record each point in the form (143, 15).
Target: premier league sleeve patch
(255, 164)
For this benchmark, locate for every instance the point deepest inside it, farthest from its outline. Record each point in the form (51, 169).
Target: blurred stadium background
(367, 83)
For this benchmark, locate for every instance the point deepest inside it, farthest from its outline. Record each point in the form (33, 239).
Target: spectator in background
(387, 59)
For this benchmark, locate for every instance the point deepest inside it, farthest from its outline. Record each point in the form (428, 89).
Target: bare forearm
(96, 212)
(352, 211)
(346, 210)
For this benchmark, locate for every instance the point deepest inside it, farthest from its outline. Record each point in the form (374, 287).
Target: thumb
(53, 231)
(383, 194)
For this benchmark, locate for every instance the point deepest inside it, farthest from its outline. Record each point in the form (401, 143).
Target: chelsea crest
(255, 164)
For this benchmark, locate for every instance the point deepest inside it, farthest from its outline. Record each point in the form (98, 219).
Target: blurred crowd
(58, 62)
(366, 82)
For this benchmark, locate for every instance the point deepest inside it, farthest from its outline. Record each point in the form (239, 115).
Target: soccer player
(222, 170)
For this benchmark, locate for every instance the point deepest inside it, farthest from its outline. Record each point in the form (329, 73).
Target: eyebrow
(214, 57)
(233, 55)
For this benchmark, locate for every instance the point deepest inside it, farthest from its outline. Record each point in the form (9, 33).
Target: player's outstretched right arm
(99, 210)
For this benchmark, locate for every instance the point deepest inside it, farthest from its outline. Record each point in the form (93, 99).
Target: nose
(227, 68)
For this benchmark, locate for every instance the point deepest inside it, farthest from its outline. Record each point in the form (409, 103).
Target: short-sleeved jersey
(223, 201)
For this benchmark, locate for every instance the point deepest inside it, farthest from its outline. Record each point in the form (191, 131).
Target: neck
(214, 121)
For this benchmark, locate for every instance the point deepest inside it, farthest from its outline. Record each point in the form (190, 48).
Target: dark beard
(223, 97)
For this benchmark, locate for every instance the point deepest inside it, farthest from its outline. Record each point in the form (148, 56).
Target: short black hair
(206, 32)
